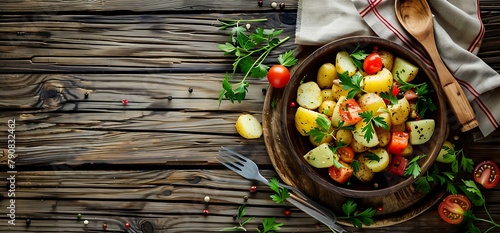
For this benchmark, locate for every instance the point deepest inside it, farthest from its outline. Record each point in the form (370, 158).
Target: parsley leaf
(368, 129)
(424, 102)
(287, 59)
(324, 129)
(413, 168)
(270, 225)
(355, 165)
(250, 50)
(241, 223)
(472, 192)
(357, 57)
(281, 194)
(353, 84)
(372, 157)
(357, 219)
(466, 164)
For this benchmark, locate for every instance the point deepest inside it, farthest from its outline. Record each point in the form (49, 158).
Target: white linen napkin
(458, 30)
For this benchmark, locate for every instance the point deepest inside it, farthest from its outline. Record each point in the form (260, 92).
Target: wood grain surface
(66, 66)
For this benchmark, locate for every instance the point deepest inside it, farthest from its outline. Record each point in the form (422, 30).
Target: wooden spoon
(416, 17)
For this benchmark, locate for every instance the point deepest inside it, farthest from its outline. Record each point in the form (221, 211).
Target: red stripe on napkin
(480, 35)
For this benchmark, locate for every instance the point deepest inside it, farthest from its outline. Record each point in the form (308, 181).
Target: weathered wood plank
(167, 200)
(48, 6)
(133, 43)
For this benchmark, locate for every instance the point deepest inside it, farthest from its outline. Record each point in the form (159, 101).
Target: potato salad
(364, 114)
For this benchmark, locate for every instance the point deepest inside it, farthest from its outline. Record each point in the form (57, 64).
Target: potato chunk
(248, 126)
(309, 95)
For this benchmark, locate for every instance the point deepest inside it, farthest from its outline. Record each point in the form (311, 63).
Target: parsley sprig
(413, 168)
(358, 219)
(281, 193)
(250, 50)
(352, 84)
(473, 193)
(424, 102)
(357, 57)
(368, 129)
(239, 217)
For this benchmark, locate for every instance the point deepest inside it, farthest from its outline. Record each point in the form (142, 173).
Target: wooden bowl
(316, 182)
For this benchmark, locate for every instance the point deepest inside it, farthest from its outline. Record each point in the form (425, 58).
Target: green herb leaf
(422, 184)
(352, 84)
(270, 225)
(355, 165)
(364, 217)
(281, 194)
(287, 59)
(413, 168)
(228, 48)
(424, 102)
(372, 157)
(349, 207)
(368, 129)
(466, 164)
(357, 57)
(473, 193)
(389, 97)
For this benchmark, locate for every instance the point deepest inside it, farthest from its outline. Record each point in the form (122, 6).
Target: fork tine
(228, 164)
(240, 157)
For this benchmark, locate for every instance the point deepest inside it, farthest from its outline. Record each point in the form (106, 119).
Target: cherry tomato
(398, 165)
(349, 111)
(453, 207)
(398, 142)
(372, 64)
(346, 154)
(278, 76)
(341, 174)
(486, 174)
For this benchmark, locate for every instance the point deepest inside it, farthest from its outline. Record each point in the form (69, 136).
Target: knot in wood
(147, 227)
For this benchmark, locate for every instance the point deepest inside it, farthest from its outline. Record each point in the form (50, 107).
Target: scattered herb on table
(358, 219)
(281, 193)
(250, 50)
(477, 198)
(241, 223)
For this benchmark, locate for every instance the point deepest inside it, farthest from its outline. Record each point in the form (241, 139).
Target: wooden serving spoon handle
(457, 100)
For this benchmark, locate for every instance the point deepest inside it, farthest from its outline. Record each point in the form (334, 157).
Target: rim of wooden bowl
(310, 65)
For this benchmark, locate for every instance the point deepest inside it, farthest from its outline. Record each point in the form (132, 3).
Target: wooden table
(83, 155)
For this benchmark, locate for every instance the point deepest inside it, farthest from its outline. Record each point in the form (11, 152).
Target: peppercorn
(260, 3)
(282, 5)
(190, 90)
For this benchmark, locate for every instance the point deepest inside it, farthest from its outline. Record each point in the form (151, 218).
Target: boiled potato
(408, 150)
(387, 117)
(321, 156)
(328, 138)
(400, 111)
(357, 147)
(398, 127)
(343, 63)
(378, 83)
(374, 165)
(359, 135)
(344, 135)
(337, 90)
(327, 94)
(309, 95)
(248, 126)
(327, 107)
(420, 131)
(336, 118)
(305, 120)
(387, 59)
(384, 136)
(364, 173)
(447, 153)
(404, 70)
(326, 74)
(372, 102)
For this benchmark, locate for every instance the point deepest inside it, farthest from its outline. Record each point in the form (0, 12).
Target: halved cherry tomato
(398, 165)
(486, 174)
(372, 64)
(349, 111)
(398, 142)
(346, 154)
(341, 174)
(278, 76)
(453, 207)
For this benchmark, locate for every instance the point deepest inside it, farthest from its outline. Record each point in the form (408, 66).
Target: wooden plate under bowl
(398, 206)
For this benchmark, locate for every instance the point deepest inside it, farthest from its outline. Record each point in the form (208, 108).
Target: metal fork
(249, 170)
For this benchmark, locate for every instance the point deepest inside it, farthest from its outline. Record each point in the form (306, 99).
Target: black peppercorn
(400, 95)
(282, 5)
(260, 3)
(170, 97)
(28, 222)
(190, 90)
(264, 91)
(86, 95)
